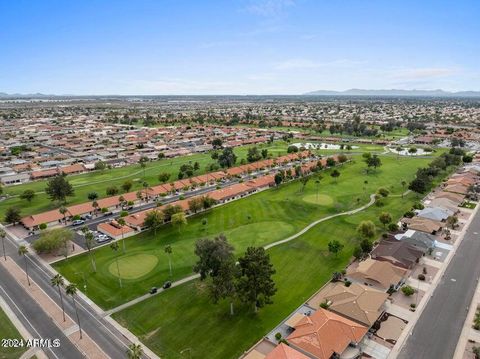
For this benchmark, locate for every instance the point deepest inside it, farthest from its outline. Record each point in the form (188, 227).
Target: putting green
(323, 199)
(133, 266)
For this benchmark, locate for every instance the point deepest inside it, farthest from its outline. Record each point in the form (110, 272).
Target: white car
(102, 238)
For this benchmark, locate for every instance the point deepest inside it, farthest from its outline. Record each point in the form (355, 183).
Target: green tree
(57, 281)
(23, 251)
(127, 185)
(28, 195)
(58, 188)
(164, 177)
(112, 191)
(217, 143)
(153, 220)
(255, 284)
(385, 218)
(114, 246)
(53, 240)
(278, 178)
(179, 219)
(12, 215)
(89, 241)
(253, 154)
(227, 158)
(122, 224)
(335, 247)
(92, 196)
(100, 166)
(335, 174)
(418, 185)
(195, 204)
(143, 164)
(71, 290)
(366, 229)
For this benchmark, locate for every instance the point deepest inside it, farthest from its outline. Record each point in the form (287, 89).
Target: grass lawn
(98, 181)
(260, 219)
(8, 331)
(183, 317)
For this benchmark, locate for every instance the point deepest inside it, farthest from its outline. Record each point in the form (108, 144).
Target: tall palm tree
(89, 244)
(95, 207)
(63, 210)
(122, 222)
(3, 234)
(57, 281)
(23, 251)
(114, 247)
(169, 251)
(134, 351)
(71, 290)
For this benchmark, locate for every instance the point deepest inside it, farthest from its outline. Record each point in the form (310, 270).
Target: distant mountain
(394, 92)
(20, 95)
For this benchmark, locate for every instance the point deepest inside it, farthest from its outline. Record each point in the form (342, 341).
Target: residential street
(107, 337)
(436, 333)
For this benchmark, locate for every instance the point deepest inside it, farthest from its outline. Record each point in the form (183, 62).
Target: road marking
(23, 315)
(453, 279)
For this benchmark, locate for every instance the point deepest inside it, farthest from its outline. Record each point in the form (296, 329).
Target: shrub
(383, 192)
(421, 277)
(43, 226)
(393, 227)
(324, 305)
(409, 214)
(418, 205)
(348, 283)
(408, 291)
(278, 336)
(424, 270)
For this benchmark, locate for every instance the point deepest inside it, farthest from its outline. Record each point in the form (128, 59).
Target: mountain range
(395, 92)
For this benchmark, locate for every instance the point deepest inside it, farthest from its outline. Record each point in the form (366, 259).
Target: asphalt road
(79, 239)
(438, 329)
(107, 337)
(38, 324)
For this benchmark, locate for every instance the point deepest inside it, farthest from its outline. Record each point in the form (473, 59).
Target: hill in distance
(394, 92)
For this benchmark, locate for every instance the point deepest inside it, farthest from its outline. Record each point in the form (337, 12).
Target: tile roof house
(379, 274)
(399, 253)
(455, 197)
(357, 302)
(445, 203)
(423, 224)
(421, 240)
(435, 213)
(283, 351)
(325, 333)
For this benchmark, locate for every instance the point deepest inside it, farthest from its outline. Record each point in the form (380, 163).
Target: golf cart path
(271, 245)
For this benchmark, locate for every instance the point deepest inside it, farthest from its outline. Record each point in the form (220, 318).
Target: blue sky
(237, 46)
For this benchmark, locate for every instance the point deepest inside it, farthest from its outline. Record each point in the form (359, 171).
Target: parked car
(153, 290)
(87, 216)
(167, 285)
(102, 238)
(78, 222)
(108, 213)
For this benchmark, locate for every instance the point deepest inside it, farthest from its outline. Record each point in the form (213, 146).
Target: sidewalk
(86, 345)
(468, 333)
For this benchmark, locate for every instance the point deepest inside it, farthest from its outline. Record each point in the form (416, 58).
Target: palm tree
(89, 244)
(134, 351)
(57, 281)
(404, 183)
(114, 247)
(121, 201)
(146, 187)
(122, 222)
(71, 290)
(95, 206)
(169, 251)
(23, 251)
(3, 234)
(63, 210)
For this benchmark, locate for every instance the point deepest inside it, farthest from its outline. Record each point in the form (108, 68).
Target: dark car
(167, 285)
(153, 290)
